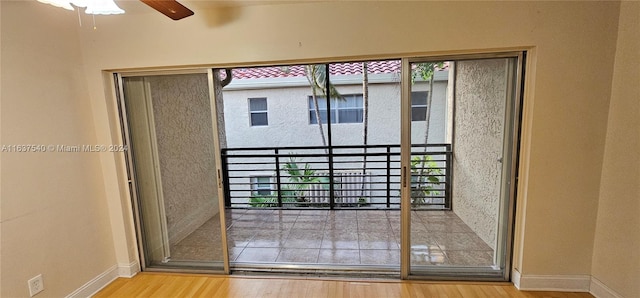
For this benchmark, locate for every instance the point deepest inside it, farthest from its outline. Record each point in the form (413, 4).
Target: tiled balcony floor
(345, 237)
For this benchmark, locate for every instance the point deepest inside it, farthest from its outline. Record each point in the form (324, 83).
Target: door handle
(404, 176)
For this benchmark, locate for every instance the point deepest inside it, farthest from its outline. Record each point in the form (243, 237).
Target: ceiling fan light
(80, 3)
(102, 7)
(58, 3)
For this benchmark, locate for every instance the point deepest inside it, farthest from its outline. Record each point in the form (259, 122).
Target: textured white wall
(480, 96)
(184, 134)
(288, 115)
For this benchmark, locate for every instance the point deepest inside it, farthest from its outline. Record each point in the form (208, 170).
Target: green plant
(300, 179)
(264, 201)
(362, 201)
(258, 200)
(424, 173)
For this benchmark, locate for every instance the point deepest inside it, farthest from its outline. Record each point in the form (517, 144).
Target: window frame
(413, 106)
(335, 109)
(252, 112)
(255, 185)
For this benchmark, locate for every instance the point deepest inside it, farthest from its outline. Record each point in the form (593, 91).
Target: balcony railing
(335, 177)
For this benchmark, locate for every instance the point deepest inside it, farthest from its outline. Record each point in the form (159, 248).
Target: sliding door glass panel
(275, 165)
(299, 188)
(365, 164)
(461, 123)
(170, 130)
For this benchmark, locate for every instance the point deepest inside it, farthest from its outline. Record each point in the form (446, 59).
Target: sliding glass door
(170, 133)
(312, 166)
(368, 167)
(460, 166)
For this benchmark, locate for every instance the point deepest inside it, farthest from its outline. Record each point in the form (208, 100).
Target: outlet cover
(36, 285)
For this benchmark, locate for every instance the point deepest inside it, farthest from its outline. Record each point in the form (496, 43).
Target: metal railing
(357, 177)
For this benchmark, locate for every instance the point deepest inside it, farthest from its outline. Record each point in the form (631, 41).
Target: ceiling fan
(170, 8)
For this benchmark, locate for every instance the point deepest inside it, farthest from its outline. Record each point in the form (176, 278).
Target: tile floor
(345, 237)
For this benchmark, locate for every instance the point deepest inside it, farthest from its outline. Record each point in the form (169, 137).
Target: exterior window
(344, 110)
(258, 112)
(419, 105)
(261, 185)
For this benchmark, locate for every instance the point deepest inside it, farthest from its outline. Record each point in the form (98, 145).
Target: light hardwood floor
(186, 285)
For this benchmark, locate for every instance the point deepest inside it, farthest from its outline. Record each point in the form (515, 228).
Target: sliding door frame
(511, 144)
(512, 147)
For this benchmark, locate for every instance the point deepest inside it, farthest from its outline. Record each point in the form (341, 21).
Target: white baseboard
(515, 278)
(128, 270)
(561, 283)
(600, 290)
(96, 284)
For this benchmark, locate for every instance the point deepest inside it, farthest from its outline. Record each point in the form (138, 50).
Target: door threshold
(316, 270)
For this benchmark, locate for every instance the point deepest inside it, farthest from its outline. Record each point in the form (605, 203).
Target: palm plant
(219, 84)
(424, 173)
(365, 121)
(317, 76)
(426, 71)
(261, 201)
(300, 180)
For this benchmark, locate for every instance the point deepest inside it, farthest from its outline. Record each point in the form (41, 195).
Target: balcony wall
(478, 139)
(185, 150)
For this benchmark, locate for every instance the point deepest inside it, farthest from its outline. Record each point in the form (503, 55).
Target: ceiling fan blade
(170, 8)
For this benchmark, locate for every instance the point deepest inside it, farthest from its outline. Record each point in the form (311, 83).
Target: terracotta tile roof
(268, 72)
(335, 69)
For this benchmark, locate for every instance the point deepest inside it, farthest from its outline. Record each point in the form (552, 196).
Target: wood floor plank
(187, 285)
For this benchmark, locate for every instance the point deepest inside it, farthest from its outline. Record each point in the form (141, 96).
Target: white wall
(616, 253)
(288, 117)
(54, 217)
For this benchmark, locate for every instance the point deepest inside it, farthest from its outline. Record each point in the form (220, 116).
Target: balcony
(282, 209)
(336, 237)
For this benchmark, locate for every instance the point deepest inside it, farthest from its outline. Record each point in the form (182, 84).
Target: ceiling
(133, 6)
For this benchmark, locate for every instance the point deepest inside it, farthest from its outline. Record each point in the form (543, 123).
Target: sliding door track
(316, 270)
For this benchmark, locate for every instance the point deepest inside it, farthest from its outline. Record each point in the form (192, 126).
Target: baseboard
(515, 278)
(128, 270)
(96, 284)
(600, 290)
(561, 283)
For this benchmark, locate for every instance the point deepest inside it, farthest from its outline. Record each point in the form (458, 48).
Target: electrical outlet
(36, 285)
